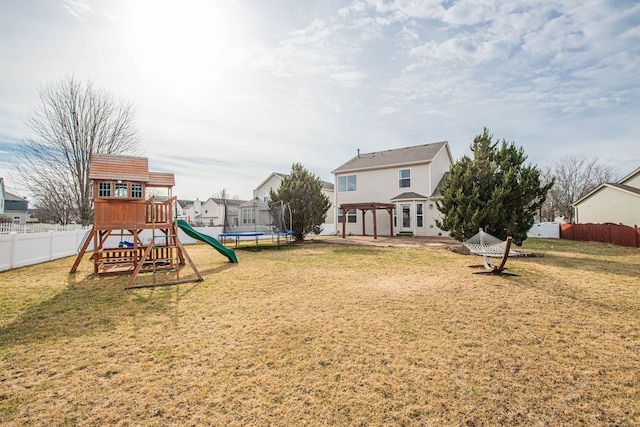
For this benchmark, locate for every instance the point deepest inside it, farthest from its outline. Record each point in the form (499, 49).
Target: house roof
(619, 187)
(230, 202)
(416, 154)
(15, 203)
(410, 195)
(325, 184)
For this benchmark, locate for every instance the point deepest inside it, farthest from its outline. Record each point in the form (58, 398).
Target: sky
(228, 91)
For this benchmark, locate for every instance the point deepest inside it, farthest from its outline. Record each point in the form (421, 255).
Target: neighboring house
(16, 208)
(188, 210)
(617, 203)
(401, 186)
(2, 196)
(212, 212)
(274, 180)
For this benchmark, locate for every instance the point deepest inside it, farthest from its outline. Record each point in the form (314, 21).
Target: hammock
(486, 245)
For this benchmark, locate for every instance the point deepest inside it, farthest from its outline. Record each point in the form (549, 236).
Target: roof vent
(358, 153)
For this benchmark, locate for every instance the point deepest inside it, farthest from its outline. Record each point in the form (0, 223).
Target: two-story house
(273, 181)
(16, 208)
(392, 192)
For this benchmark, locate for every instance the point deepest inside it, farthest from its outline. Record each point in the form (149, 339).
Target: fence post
(12, 256)
(50, 245)
(635, 227)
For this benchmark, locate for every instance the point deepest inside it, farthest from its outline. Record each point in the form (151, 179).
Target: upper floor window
(347, 183)
(404, 178)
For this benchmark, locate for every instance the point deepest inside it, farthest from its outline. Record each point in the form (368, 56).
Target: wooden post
(375, 224)
(364, 211)
(390, 210)
(344, 223)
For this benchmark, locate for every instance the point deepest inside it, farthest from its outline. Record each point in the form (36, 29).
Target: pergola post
(375, 224)
(364, 211)
(344, 223)
(390, 220)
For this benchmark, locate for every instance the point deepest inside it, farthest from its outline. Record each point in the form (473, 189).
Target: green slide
(229, 253)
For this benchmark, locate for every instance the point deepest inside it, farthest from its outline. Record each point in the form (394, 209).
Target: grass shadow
(87, 305)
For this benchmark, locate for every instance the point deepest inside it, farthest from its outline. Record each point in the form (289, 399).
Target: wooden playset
(133, 233)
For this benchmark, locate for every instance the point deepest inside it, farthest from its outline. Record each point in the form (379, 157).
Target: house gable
(611, 202)
(633, 179)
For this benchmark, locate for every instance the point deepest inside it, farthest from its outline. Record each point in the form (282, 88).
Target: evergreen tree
(302, 191)
(494, 191)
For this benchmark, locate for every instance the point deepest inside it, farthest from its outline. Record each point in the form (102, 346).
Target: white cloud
(79, 9)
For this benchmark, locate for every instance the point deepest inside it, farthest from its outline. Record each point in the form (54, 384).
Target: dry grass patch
(323, 334)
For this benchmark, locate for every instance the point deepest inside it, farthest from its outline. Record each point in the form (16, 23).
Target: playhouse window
(104, 189)
(121, 190)
(136, 191)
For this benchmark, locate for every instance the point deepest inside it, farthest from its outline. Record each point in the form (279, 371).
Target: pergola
(364, 207)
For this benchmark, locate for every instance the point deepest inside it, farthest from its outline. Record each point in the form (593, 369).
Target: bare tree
(575, 176)
(73, 121)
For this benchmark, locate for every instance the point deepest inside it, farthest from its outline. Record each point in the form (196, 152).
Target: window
(404, 178)
(104, 189)
(121, 190)
(248, 216)
(16, 220)
(419, 215)
(347, 183)
(136, 191)
(352, 216)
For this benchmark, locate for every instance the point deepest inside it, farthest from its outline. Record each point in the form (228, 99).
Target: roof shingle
(400, 156)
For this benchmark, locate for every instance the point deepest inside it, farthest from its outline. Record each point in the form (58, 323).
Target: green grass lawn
(326, 334)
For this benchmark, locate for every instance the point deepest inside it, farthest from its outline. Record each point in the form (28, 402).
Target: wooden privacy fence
(615, 234)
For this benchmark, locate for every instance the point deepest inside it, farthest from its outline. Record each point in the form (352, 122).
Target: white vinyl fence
(37, 228)
(548, 230)
(22, 249)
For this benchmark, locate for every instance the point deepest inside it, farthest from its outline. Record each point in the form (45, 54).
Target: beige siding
(211, 213)
(609, 205)
(634, 181)
(330, 218)
(272, 183)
